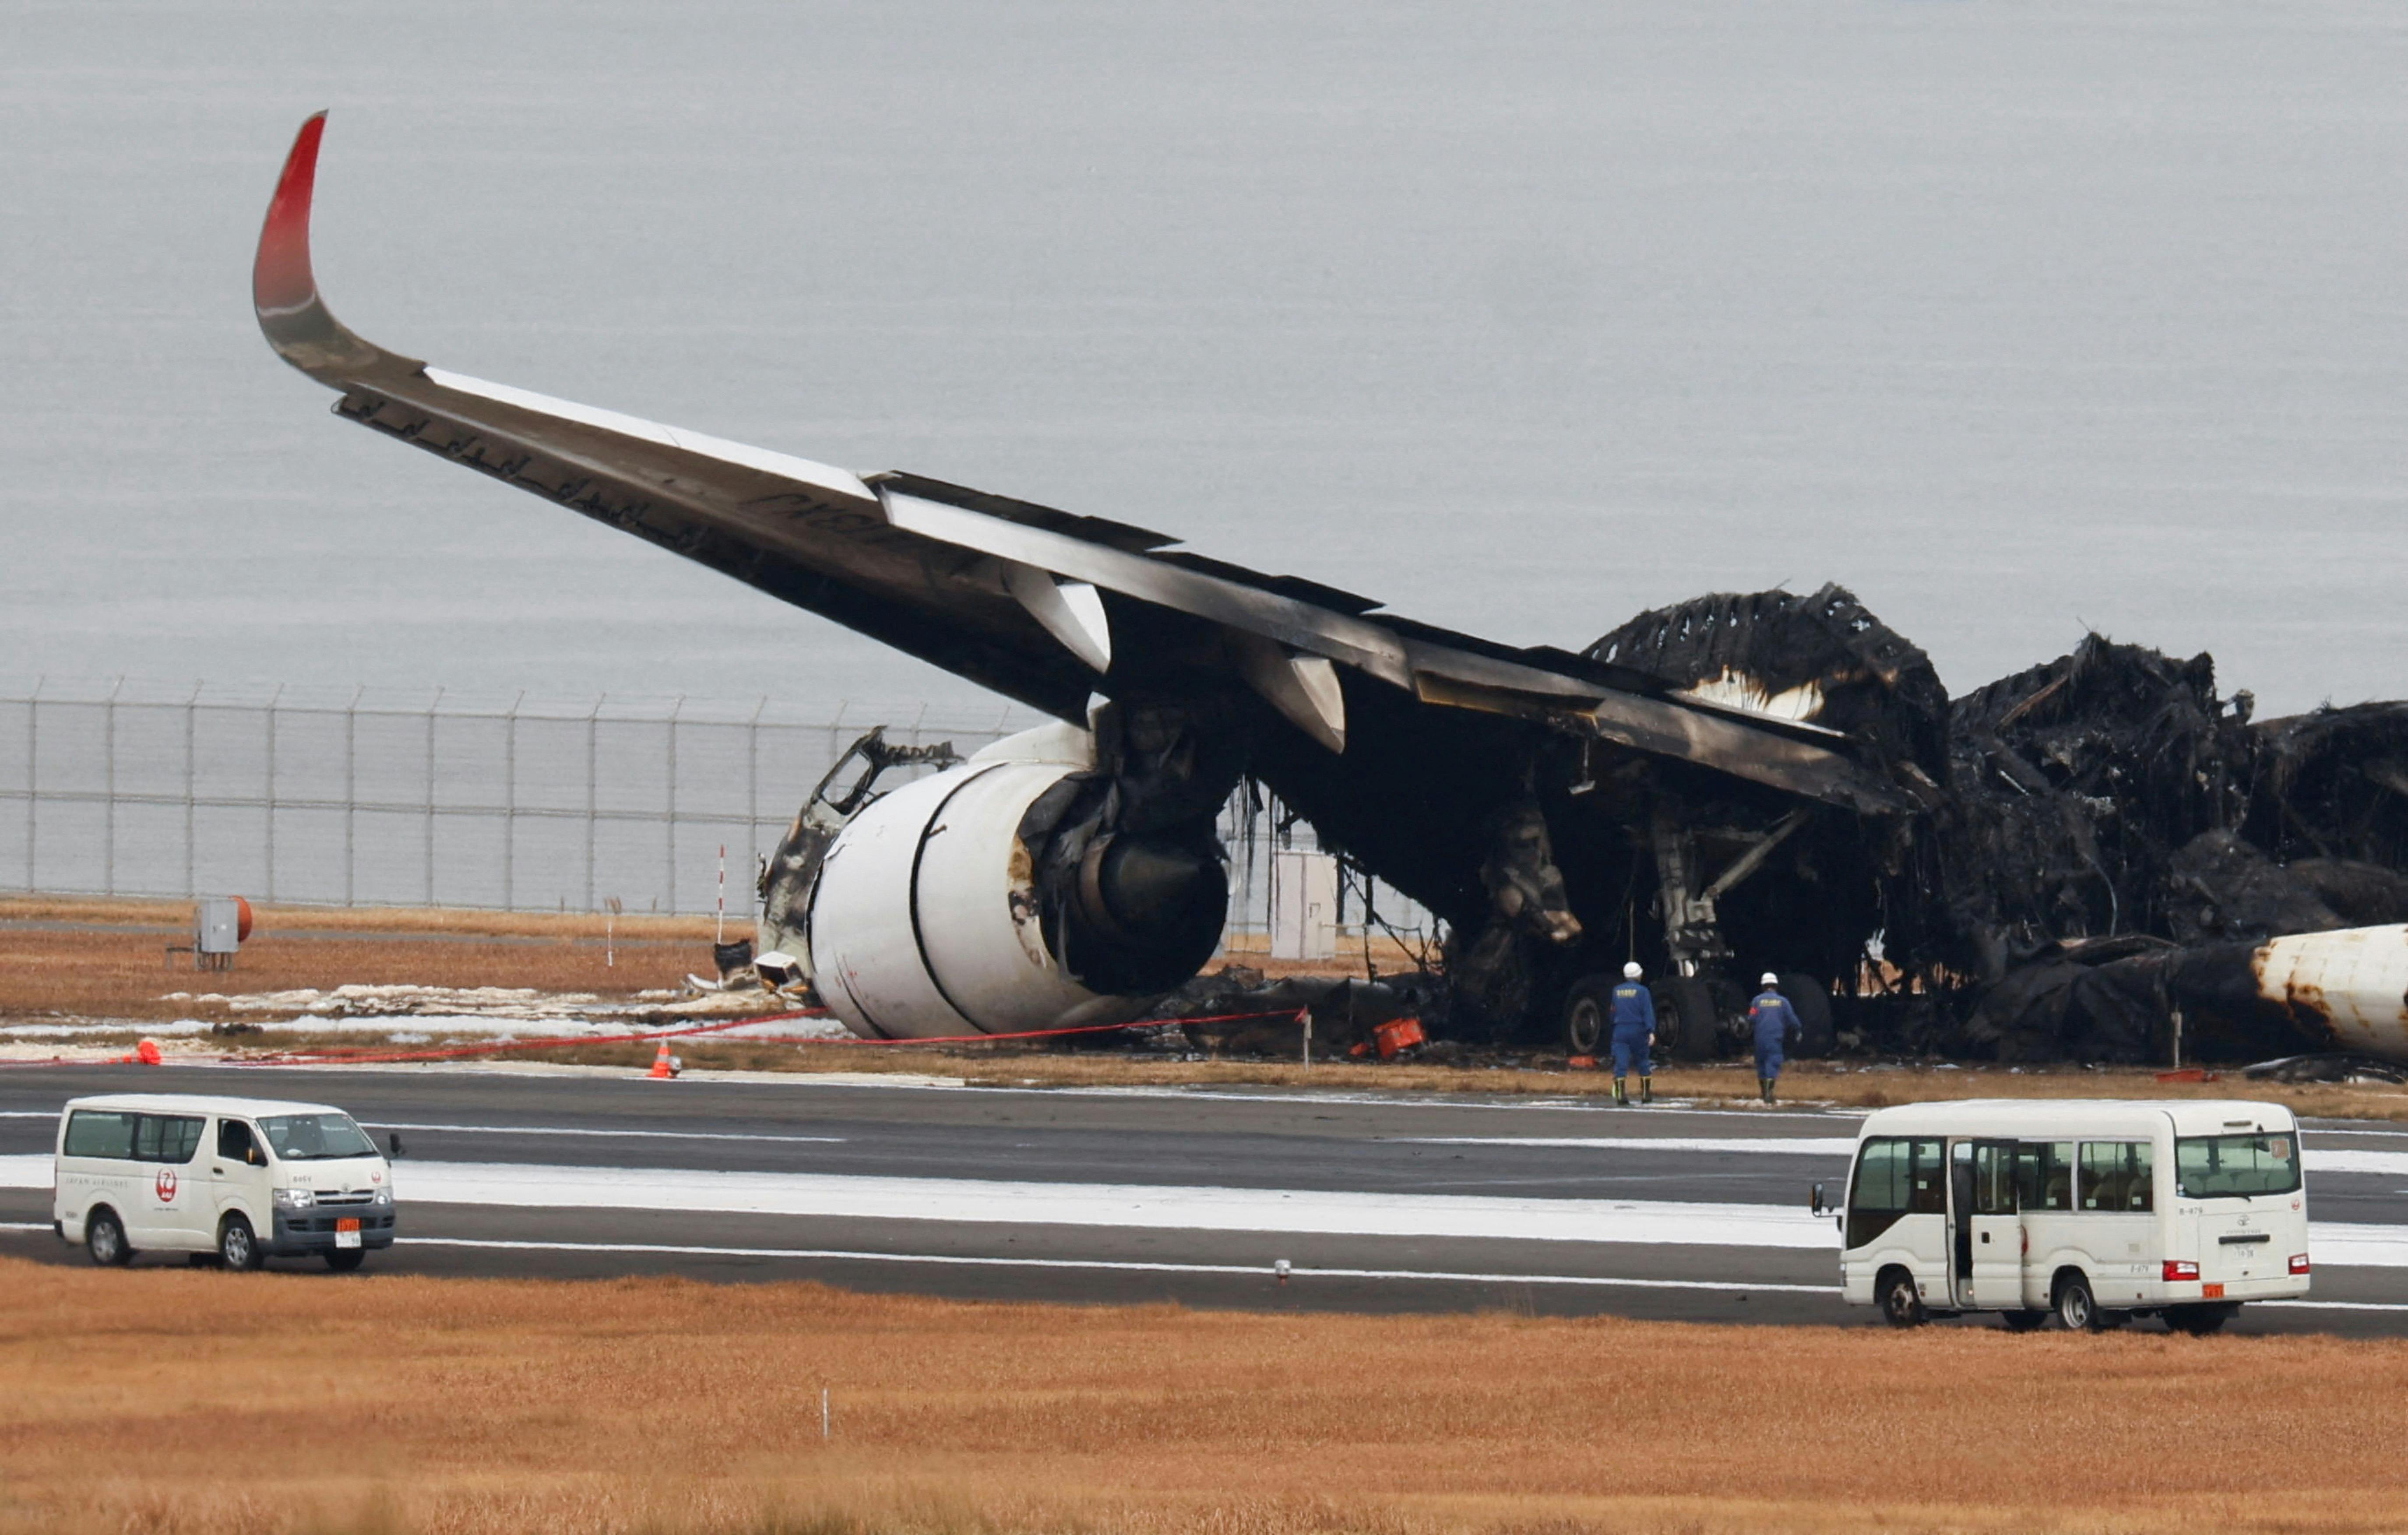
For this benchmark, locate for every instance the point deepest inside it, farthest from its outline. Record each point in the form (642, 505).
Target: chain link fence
(359, 799)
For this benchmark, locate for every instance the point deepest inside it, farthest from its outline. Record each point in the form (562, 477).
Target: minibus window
(167, 1138)
(2044, 1174)
(2215, 1167)
(1894, 1178)
(2117, 1175)
(310, 1138)
(93, 1132)
(234, 1140)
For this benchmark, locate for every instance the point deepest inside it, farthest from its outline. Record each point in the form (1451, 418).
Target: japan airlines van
(236, 1180)
(2092, 1212)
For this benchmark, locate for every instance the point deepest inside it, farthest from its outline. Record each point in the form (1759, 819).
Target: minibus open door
(1984, 1232)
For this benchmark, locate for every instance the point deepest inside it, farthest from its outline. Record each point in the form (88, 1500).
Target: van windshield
(2213, 1167)
(310, 1138)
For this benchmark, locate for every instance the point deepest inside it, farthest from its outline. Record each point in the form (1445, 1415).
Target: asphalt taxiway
(1372, 1202)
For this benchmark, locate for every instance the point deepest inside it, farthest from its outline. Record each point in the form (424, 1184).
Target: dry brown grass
(174, 1401)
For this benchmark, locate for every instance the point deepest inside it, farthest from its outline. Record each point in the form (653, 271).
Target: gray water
(2015, 318)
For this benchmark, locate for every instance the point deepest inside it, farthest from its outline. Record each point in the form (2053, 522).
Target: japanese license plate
(347, 1233)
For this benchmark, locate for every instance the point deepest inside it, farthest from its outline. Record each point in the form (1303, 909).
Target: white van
(2094, 1212)
(243, 1179)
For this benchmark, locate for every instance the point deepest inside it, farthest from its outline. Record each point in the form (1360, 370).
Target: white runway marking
(1840, 1146)
(1254, 1271)
(604, 1135)
(1125, 1205)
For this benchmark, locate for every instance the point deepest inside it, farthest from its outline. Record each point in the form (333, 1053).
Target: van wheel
(2024, 1321)
(2199, 1321)
(236, 1247)
(344, 1260)
(1900, 1307)
(104, 1237)
(2077, 1309)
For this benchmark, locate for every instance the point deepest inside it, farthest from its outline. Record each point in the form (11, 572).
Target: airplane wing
(1042, 606)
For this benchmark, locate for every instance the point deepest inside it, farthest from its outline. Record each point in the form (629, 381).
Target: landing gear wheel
(2199, 1321)
(104, 1237)
(236, 1247)
(1812, 1001)
(1685, 1020)
(2024, 1321)
(1900, 1307)
(1586, 1011)
(2077, 1309)
(343, 1260)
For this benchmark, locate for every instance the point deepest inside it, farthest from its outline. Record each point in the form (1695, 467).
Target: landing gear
(1586, 1015)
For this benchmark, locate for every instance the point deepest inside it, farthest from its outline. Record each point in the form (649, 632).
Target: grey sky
(1520, 319)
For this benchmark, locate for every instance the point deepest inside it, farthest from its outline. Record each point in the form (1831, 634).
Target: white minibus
(230, 1180)
(2093, 1213)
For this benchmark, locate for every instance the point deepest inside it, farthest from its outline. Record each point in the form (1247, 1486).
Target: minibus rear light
(2180, 1269)
(2299, 1263)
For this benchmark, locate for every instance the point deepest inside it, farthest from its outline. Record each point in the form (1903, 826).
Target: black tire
(2200, 1321)
(2024, 1321)
(1685, 1020)
(1894, 1292)
(237, 1246)
(104, 1237)
(344, 1261)
(1812, 1001)
(2076, 1307)
(1589, 1012)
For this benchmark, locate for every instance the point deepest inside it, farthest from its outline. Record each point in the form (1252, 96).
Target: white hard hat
(1631, 971)
(1768, 979)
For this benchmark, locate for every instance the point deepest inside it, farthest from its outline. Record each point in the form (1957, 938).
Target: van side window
(1895, 1177)
(2044, 1174)
(99, 1132)
(233, 1139)
(167, 1138)
(2117, 1175)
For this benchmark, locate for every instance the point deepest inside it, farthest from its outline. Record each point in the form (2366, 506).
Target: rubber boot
(1647, 1089)
(1620, 1093)
(1764, 1088)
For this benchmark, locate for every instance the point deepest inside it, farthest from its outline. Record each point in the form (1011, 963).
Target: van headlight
(384, 1194)
(295, 1198)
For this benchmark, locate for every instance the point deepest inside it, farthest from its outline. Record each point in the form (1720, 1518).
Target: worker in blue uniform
(1775, 1023)
(1634, 1035)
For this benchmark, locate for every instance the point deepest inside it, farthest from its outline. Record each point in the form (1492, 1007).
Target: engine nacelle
(933, 915)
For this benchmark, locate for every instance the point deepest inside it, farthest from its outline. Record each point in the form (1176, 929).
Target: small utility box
(217, 932)
(1304, 905)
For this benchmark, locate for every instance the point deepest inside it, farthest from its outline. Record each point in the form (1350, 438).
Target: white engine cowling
(926, 920)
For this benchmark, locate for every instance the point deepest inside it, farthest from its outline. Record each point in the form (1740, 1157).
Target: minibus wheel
(2077, 1309)
(2024, 1321)
(344, 1260)
(104, 1237)
(236, 1246)
(1900, 1307)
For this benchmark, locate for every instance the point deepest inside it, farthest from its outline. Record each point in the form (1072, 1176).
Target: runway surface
(1374, 1203)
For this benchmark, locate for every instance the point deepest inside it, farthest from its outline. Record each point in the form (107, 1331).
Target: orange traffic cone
(665, 1065)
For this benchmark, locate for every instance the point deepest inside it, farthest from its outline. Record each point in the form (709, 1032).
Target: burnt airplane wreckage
(2064, 863)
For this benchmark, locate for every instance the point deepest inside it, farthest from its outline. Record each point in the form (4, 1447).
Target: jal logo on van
(167, 1185)
(376, 1177)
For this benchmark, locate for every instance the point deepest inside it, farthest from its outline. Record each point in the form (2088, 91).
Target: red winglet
(280, 279)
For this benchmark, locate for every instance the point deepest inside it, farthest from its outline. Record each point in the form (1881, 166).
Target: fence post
(33, 772)
(511, 802)
(351, 794)
(752, 782)
(192, 710)
(431, 708)
(678, 708)
(109, 805)
(271, 789)
(592, 715)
